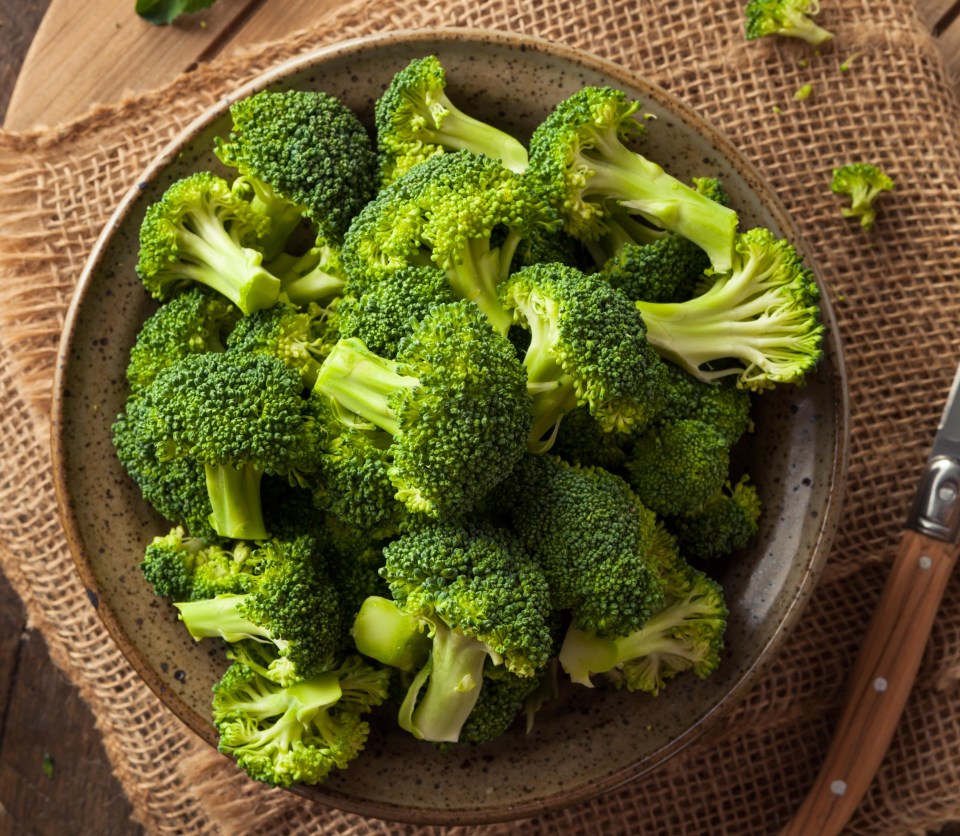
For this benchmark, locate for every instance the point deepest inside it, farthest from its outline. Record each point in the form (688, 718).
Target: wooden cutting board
(79, 59)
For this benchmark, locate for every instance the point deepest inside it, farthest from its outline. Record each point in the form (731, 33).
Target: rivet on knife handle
(890, 654)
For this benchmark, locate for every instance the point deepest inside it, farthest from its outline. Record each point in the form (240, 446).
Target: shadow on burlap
(897, 295)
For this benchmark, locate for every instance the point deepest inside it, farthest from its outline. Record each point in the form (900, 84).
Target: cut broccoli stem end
(234, 492)
(384, 632)
(220, 617)
(360, 382)
(453, 681)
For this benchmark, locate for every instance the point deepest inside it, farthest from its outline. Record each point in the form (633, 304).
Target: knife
(890, 654)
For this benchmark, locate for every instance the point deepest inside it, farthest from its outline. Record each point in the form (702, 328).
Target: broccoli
(186, 568)
(318, 275)
(723, 524)
(592, 537)
(193, 321)
(293, 605)
(503, 697)
(762, 314)
(478, 596)
(200, 231)
(415, 120)
(286, 218)
(309, 148)
(863, 183)
(722, 405)
(390, 310)
(668, 269)
(676, 466)
(297, 733)
(451, 413)
(297, 337)
(685, 634)
(390, 635)
(581, 440)
(578, 154)
(237, 416)
(791, 18)
(587, 347)
(452, 211)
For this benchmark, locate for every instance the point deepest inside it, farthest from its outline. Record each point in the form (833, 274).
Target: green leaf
(162, 12)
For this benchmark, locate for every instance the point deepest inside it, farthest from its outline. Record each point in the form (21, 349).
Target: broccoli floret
(676, 466)
(201, 231)
(762, 314)
(478, 596)
(309, 148)
(723, 524)
(669, 269)
(192, 322)
(502, 700)
(712, 187)
(299, 733)
(293, 605)
(452, 211)
(186, 568)
(415, 120)
(592, 537)
(451, 413)
(296, 337)
(587, 347)
(286, 218)
(237, 416)
(685, 634)
(791, 18)
(721, 405)
(579, 155)
(581, 440)
(318, 275)
(391, 309)
(390, 635)
(863, 183)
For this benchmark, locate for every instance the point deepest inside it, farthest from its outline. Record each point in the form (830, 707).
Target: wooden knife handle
(880, 683)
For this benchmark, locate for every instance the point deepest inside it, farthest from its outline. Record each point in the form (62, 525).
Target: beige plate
(589, 741)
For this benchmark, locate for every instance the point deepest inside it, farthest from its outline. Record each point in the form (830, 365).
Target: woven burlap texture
(897, 295)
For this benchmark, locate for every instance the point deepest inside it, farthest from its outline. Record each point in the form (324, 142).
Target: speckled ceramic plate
(589, 741)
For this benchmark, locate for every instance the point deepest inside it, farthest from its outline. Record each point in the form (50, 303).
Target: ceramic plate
(588, 741)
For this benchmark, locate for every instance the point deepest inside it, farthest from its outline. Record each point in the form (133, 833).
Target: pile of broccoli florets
(441, 421)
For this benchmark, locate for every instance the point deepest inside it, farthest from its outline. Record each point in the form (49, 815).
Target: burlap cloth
(897, 294)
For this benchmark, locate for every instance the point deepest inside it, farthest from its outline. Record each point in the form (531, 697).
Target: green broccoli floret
(587, 347)
(390, 310)
(194, 321)
(713, 188)
(791, 18)
(200, 231)
(478, 596)
(286, 218)
(186, 568)
(297, 337)
(235, 415)
(685, 634)
(451, 210)
(503, 697)
(863, 183)
(723, 524)
(762, 314)
(451, 413)
(669, 269)
(309, 148)
(581, 440)
(580, 156)
(299, 733)
(722, 405)
(415, 120)
(293, 605)
(592, 537)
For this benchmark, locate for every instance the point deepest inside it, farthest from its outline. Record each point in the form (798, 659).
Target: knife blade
(892, 648)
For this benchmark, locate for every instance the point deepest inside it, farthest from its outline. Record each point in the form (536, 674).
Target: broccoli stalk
(763, 314)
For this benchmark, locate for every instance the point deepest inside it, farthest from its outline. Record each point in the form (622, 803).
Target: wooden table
(57, 58)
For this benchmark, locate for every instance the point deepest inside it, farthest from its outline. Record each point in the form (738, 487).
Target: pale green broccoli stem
(263, 199)
(224, 265)
(363, 383)
(796, 24)
(314, 285)
(477, 274)
(453, 675)
(456, 129)
(382, 631)
(642, 186)
(211, 618)
(234, 493)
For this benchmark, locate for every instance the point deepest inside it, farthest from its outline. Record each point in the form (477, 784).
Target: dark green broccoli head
(415, 120)
(676, 466)
(454, 402)
(587, 347)
(310, 148)
(201, 231)
(194, 321)
(592, 537)
(723, 524)
(863, 183)
(666, 270)
(722, 405)
(501, 701)
(790, 18)
(581, 440)
(385, 313)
